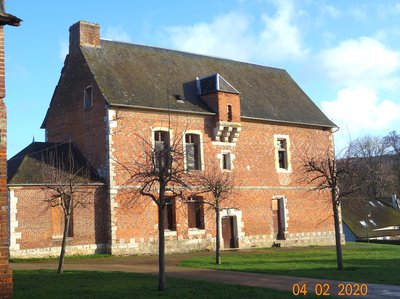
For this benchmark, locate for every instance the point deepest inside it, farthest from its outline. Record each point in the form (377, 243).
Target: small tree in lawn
(219, 185)
(156, 171)
(323, 171)
(64, 175)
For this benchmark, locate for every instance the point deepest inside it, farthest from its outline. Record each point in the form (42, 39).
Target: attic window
(372, 222)
(381, 204)
(372, 204)
(364, 224)
(88, 97)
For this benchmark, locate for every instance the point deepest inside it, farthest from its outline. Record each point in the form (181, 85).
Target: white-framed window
(161, 140)
(282, 153)
(88, 97)
(192, 151)
(226, 160)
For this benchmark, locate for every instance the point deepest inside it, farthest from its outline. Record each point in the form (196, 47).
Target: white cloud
(362, 62)
(359, 110)
(64, 49)
(117, 33)
(230, 36)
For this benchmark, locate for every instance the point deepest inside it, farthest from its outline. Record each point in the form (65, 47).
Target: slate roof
(381, 213)
(148, 77)
(26, 166)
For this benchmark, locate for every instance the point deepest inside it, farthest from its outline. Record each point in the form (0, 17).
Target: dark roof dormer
(213, 84)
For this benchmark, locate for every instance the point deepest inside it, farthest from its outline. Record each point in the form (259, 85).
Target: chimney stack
(85, 34)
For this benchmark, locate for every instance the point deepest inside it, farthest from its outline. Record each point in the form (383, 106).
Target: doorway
(229, 232)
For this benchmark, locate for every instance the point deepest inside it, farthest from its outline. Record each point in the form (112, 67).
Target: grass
(369, 263)
(55, 259)
(87, 284)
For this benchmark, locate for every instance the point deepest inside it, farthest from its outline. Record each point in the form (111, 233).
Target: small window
(372, 222)
(229, 113)
(226, 161)
(196, 212)
(169, 215)
(372, 204)
(88, 97)
(282, 153)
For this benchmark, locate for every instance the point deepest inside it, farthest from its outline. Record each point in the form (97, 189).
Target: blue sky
(344, 54)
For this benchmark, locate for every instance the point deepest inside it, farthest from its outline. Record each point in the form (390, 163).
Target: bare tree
(392, 140)
(156, 171)
(323, 171)
(219, 185)
(65, 176)
(371, 154)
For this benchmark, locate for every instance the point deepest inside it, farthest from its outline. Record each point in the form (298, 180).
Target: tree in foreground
(156, 171)
(65, 175)
(219, 185)
(322, 171)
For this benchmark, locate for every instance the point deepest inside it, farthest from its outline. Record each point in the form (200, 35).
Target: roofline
(212, 113)
(160, 109)
(288, 122)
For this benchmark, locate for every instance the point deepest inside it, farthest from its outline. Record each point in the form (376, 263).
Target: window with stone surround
(282, 155)
(192, 151)
(226, 161)
(196, 212)
(161, 145)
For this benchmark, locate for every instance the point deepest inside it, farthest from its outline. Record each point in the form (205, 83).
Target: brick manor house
(254, 121)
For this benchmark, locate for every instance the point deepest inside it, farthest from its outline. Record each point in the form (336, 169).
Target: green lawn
(85, 284)
(371, 263)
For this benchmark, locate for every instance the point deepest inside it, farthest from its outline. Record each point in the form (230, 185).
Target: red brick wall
(219, 101)
(68, 120)
(5, 271)
(34, 221)
(255, 172)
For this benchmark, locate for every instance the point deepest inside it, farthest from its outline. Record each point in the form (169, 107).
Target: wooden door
(228, 232)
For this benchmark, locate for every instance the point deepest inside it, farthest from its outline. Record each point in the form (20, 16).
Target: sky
(344, 54)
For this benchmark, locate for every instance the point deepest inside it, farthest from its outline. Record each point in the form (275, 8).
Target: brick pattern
(308, 213)
(5, 271)
(32, 232)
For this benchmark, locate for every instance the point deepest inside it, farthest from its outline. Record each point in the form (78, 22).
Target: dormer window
(229, 108)
(88, 97)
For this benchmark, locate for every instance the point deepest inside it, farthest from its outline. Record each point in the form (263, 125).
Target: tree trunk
(161, 249)
(339, 256)
(217, 238)
(67, 219)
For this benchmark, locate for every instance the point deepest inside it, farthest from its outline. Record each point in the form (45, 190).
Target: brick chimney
(85, 34)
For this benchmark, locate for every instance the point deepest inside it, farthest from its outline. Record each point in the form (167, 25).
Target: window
(229, 113)
(161, 152)
(282, 153)
(363, 223)
(226, 161)
(88, 97)
(169, 214)
(57, 223)
(192, 152)
(196, 212)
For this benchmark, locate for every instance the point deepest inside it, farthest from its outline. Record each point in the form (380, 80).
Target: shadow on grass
(85, 284)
